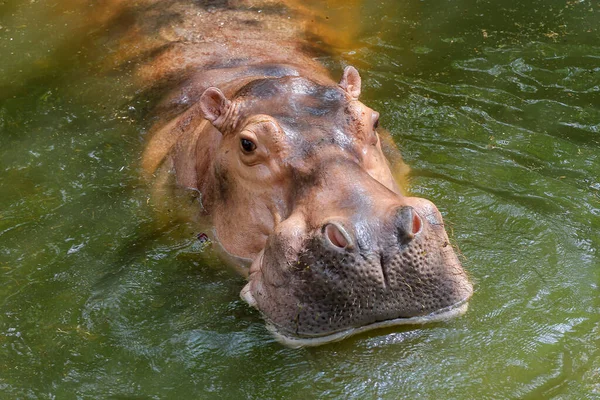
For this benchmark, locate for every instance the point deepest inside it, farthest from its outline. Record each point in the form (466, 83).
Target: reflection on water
(495, 105)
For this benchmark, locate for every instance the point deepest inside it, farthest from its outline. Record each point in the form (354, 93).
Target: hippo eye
(376, 123)
(248, 145)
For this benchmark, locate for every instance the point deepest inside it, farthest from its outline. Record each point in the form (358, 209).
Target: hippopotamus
(298, 181)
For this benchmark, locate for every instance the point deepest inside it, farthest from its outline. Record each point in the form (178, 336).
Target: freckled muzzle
(341, 282)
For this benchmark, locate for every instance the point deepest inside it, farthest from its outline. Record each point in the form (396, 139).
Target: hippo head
(300, 187)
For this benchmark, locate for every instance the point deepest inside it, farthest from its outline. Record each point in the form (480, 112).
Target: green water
(496, 105)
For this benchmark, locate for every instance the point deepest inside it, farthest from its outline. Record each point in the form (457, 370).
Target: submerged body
(291, 172)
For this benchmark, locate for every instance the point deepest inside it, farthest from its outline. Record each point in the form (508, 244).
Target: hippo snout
(349, 274)
(408, 224)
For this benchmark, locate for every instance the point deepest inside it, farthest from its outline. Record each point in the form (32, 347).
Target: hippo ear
(350, 81)
(214, 106)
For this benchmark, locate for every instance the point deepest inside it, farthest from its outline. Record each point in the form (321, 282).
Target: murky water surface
(496, 105)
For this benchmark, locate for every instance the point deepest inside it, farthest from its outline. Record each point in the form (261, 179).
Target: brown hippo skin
(291, 173)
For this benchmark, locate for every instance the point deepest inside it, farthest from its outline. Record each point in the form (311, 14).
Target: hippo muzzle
(321, 282)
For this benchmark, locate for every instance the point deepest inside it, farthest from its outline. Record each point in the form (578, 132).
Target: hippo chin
(291, 172)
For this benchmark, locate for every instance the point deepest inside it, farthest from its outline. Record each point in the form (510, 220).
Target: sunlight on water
(496, 108)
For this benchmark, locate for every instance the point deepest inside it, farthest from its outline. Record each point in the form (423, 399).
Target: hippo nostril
(336, 235)
(408, 223)
(416, 223)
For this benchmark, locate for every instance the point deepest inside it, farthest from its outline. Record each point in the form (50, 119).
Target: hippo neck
(229, 44)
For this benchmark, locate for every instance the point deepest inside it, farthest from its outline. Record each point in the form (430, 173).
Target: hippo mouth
(442, 315)
(311, 340)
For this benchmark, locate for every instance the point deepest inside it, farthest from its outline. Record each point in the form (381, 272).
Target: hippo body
(290, 170)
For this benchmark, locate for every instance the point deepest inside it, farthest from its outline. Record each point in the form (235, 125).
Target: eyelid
(249, 135)
(266, 134)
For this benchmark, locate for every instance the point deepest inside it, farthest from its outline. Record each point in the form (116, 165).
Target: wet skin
(291, 173)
